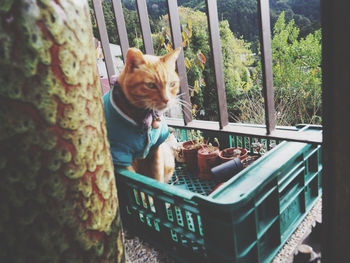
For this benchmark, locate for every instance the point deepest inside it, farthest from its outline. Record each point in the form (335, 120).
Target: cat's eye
(172, 84)
(151, 86)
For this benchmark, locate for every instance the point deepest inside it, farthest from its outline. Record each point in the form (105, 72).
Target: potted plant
(231, 153)
(208, 157)
(259, 148)
(190, 148)
(175, 146)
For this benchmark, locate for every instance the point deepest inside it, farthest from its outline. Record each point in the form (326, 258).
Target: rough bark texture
(58, 199)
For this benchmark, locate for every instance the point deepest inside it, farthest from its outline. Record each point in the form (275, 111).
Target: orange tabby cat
(137, 133)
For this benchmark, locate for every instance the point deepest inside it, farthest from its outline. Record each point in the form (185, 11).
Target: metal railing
(269, 130)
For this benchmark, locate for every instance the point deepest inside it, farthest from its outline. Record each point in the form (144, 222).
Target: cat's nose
(165, 100)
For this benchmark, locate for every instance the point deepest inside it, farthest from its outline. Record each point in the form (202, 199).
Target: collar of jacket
(142, 117)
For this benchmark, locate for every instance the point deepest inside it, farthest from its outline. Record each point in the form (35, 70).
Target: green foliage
(297, 74)
(297, 78)
(296, 56)
(236, 58)
(306, 14)
(242, 15)
(131, 22)
(196, 49)
(194, 4)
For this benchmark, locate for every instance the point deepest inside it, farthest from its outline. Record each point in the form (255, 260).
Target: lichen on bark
(58, 199)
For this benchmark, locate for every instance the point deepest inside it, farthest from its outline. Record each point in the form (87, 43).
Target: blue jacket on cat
(127, 138)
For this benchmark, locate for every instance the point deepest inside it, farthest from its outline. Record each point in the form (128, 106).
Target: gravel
(286, 254)
(139, 251)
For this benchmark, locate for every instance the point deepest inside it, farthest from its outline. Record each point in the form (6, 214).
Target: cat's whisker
(190, 88)
(183, 102)
(180, 94)
(187, 103)
(185, 106)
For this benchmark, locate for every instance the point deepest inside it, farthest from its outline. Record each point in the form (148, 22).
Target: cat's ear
(134, 58)
(171, 57)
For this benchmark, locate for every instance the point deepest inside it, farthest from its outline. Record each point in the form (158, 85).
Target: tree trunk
(58, 198)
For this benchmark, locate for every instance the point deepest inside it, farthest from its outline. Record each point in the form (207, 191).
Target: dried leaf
(187, 32)
(196, 86)
(202, 58)
(189, 22)
(188, 63)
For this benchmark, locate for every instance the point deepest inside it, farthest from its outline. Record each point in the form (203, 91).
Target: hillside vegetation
(296, 51)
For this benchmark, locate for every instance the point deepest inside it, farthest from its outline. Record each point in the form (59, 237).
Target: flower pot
(226, 170)
(189, 151)
(229, 154)
(176, 147)
(207, 158)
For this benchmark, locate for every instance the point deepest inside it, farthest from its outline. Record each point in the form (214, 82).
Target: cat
(138, 135)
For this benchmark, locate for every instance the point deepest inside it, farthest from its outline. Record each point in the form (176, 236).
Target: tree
(296, 77)
(296, 70)
(237, 61)
(306, 14)
(131, 23)
(58, 199)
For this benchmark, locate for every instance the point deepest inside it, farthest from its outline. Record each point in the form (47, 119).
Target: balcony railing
(269, 130)
(335, 67)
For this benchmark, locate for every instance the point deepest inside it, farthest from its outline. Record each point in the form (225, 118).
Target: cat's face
(150, 82)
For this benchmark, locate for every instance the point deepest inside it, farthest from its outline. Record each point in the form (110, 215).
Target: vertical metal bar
(184, 135)
(145, 27)
(120, 21)
(266, 58)
(213, 22)
(101, 24)
(336, 130)
(268, 142)
(250, 143)
(177, 42)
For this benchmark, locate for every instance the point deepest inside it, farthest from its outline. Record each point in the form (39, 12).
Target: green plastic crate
(246, 219)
